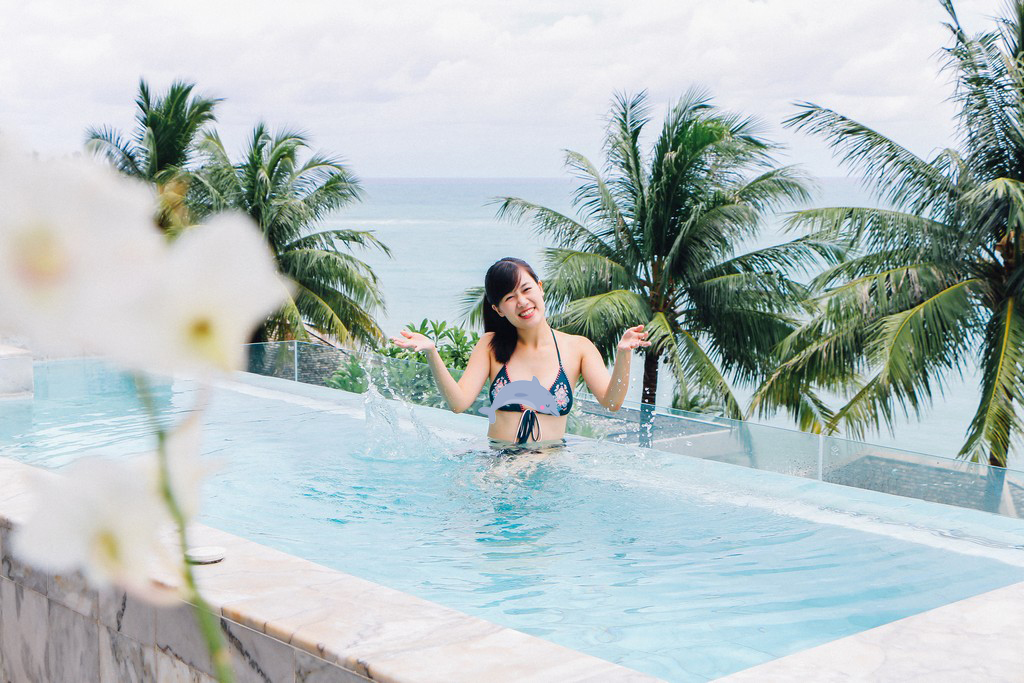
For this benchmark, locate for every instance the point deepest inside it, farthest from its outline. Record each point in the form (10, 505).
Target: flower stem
(208, 621)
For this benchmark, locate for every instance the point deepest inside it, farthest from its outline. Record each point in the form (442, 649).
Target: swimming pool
(682, 568)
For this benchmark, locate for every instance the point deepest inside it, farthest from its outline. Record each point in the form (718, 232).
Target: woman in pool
(519, 344)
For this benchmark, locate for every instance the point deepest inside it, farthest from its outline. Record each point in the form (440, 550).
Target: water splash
(431, 444)
(388, 439)
(383, 435)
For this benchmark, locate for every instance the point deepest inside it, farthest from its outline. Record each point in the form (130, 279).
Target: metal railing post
(295, 358)
(821, 456)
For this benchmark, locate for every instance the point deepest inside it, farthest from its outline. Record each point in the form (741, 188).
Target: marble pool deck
(977, 640)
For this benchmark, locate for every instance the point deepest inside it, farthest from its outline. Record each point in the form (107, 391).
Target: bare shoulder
(577, 342)
(485, 344)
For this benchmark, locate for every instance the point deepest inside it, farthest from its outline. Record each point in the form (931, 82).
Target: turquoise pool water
(681, 568)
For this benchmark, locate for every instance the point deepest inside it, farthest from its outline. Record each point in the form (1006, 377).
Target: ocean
(443, 236)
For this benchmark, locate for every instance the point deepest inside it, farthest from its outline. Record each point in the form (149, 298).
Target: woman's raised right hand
(414, 341)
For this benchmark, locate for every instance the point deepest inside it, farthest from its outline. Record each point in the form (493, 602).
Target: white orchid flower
(218, 283)
(105, 518)
(77, 243)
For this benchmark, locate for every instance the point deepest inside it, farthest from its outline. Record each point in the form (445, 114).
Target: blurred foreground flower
(218, 282)
(90, 273)
(83, 269)
(102, 517)
(77, 242)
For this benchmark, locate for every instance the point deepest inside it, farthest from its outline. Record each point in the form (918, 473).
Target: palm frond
(900, 177)
(316, 268)
(471, 306)
(108, 143)
(807, 409)
(336, 314)
(550, 223)
(877, 231)
(602, 317)
(996, 424)
(689, 363)
(802, 255)
(576, 274)
(602, 207)
(625, 162)
(331, 239)
(911, 350)
(288, 197)
(286, 323)
(775, 189)
(165, 138)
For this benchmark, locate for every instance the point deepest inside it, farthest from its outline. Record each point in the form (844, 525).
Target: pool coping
(975, 639)
(372, 631)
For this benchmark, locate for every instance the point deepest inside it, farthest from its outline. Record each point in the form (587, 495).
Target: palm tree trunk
(647, 405)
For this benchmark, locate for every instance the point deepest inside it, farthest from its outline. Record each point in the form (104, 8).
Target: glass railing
(774, 449)
(353, 371)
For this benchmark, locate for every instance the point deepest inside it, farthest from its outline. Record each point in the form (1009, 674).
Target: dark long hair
(502, 278)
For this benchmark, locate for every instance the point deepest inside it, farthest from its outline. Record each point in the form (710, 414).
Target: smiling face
(524, 305)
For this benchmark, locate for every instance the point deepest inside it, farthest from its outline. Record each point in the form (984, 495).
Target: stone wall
(55, 629)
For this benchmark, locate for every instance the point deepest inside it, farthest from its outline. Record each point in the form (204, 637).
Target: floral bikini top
(561, 389)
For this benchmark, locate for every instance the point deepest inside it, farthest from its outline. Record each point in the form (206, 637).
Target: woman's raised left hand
(632, 338)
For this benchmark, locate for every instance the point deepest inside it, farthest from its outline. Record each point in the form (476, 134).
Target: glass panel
(926, 477)
(274, 359)
(352, 371)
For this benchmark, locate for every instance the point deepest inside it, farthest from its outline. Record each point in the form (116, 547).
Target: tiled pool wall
(286, 620)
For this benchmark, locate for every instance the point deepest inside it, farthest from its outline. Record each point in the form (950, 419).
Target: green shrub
(350, 376)
(402, 373)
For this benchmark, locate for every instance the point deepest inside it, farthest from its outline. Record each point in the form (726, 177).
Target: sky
(477, 88)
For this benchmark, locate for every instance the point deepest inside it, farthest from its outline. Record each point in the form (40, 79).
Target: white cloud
(458, 87)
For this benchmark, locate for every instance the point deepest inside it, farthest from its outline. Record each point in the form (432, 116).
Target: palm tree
(162, 144)
(658, 239)
(934, 285)
(337, 294)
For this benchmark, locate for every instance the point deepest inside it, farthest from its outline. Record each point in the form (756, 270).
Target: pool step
(16, 379)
